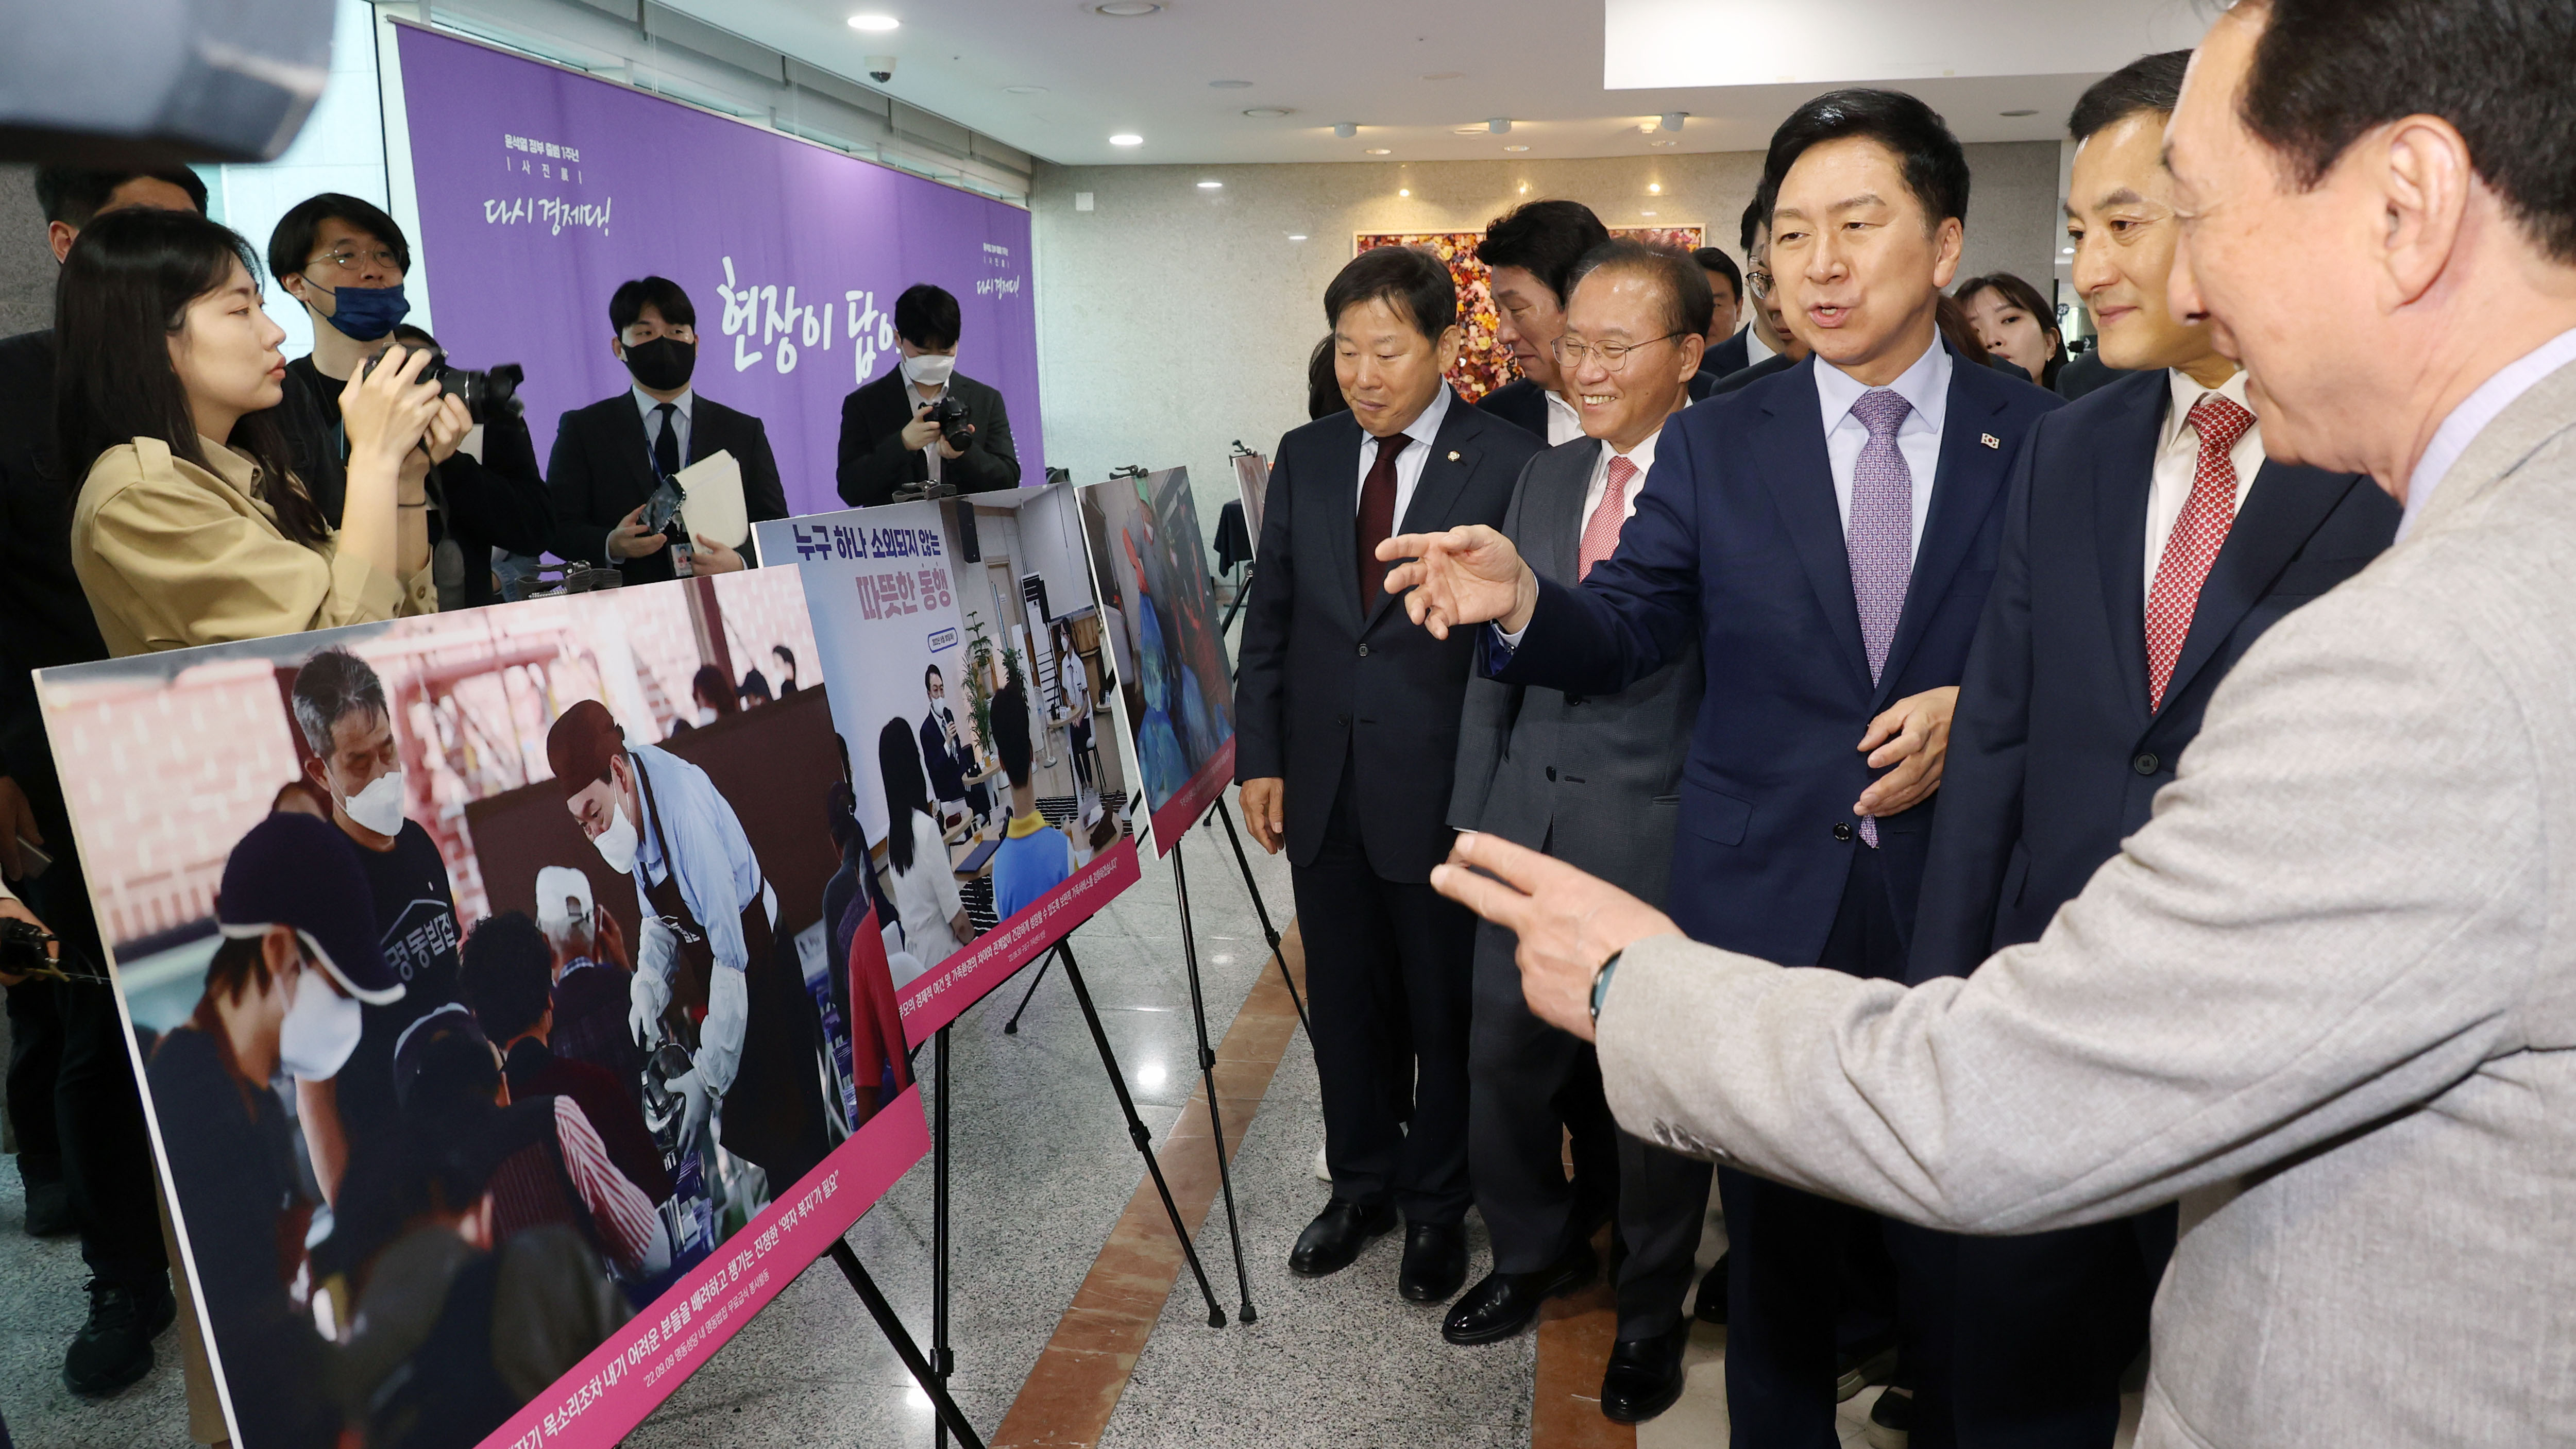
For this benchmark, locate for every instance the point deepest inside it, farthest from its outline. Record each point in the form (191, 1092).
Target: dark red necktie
(1376, 522)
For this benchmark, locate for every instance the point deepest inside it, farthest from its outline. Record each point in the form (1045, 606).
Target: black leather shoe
(114, 1348)
(1505, 1303)
(1336, 1236)
(1711, 1307)
(1435, 1261)
(1891, 1421)
(1870, 1361)
(1644, 1377)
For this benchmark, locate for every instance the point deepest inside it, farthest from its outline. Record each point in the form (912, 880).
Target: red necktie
(1376, 521)
(1601, 534)
(2196, 538)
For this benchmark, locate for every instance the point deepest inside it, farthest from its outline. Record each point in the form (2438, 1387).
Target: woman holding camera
(190, 528)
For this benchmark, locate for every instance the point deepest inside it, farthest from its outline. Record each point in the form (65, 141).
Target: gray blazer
(1594, 781)
(2326, 998)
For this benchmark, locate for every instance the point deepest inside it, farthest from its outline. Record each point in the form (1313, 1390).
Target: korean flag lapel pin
(1990, 440)
(1453, 455)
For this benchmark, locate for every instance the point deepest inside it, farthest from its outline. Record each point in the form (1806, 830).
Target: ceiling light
(1379, 151)
(1269, 113)
(1663, 143)
(2066, 251)
(1345, 129)
(2017, 115)
(1499, 125)
(874, 22)
(1126, 9)
(1515, 148)
(1126, 138)
(1466, 130)
(1438, 75)
(1672, 120)
(1229, 85)
(1645, 213)
(1211, 186)
(1524, 188)
(1026, 90)
(1404, 191)
(1654, 188)
(1296, 236)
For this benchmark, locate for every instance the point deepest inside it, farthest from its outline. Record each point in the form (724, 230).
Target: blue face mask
(365, 313)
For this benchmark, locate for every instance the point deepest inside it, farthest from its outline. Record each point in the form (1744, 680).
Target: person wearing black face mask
(891, 441)
(611, 455)
(345, 261)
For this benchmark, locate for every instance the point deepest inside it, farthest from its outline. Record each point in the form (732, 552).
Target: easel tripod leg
(1261, 908)
(892, 1327)
(1207, 1075)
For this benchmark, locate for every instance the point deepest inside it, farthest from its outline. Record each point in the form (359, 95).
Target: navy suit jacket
(1323, 680)
(1727, 358)
(1738, 536)
(2054, 758)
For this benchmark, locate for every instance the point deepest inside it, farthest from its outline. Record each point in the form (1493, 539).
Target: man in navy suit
(1347, 733)
(2147, 543)
(1830, 532)
(1727, 350)
(1529, 253)
(1769, 346)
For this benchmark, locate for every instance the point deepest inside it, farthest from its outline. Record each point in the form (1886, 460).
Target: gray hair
(331, 686)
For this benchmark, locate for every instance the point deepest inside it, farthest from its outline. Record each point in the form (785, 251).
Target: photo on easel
(968, 665)
(1149, 568)
(503, 1049)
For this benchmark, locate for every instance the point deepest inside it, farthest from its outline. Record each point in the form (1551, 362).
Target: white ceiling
(1541, 63)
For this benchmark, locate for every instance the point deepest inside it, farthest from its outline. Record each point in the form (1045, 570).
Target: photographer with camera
(345, 261)
(924, 422)
(192, 526)
(613, 457)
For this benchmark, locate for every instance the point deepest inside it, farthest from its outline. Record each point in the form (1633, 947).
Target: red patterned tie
(2196, 538)
(1376, 520)
(1601, 534)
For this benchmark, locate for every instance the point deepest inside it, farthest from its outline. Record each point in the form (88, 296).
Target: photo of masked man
(709, 946)
(341, 710)
(956, 781)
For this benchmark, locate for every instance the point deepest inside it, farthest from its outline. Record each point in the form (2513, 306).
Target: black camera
(950, 413)
(488, 394)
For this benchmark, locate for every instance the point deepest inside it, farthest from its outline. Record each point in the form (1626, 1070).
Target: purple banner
(540, 190)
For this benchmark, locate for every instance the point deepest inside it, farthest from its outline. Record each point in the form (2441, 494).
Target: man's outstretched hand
(1568, 922)
(1463, 576)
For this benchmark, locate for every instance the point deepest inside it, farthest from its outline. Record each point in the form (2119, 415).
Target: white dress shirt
(1755, 349)
(1926, 385)
(1564, 422)
(653, 434)
(1643, 455)
(2473, 414)
(913, 399)
(2178, 461)
(1410, 462)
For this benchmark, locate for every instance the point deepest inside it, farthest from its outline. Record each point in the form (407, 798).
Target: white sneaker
(1323, 1169)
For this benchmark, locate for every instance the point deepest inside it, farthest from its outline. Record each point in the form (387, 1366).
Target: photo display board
(954, 636)
(541, 189)
(1149, 570)
(631, 1060)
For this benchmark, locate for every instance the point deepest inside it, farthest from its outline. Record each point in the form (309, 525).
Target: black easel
(942, 1362)
(933, 1384)
(1262, 909)
(1207, 1075)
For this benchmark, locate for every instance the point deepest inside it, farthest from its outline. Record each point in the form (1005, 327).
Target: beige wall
(1173, 321)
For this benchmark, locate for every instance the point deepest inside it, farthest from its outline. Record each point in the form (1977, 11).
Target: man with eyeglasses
(1594, 781)
(610, 457)
(1769, 345)
(344, 260)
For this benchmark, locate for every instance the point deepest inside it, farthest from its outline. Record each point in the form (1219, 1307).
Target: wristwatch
(1601, 983)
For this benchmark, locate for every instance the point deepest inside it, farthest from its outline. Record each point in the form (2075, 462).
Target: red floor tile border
(1574, 1338)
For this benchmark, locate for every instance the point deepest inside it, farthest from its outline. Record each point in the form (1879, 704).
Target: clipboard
(713, 506)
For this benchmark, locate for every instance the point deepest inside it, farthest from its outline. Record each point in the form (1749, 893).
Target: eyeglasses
(1570, 350)
(349, 259)
(1758, 283)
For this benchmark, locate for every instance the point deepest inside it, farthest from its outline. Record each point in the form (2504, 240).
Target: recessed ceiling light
(1446, 75)
(1026, 90)
(1269, 113)
(2066, 251)
(1654, 188)
(2017, 114)
(1404, 191)
(1125, 9)
(874, 22)
(1379, 151)
(1211, 186)
(1645, 213)
(1296, 236)
(1475, 130)
(1126, 138)
(1515, 148)
(1663, 143)
(1229, 85)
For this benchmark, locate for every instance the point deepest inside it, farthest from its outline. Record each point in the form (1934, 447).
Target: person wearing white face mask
(356, 762)
(710, 941)
(892, 436)
(298, 966)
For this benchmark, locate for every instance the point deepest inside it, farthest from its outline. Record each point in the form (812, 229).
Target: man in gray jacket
(2326, 998)
(1595, 782)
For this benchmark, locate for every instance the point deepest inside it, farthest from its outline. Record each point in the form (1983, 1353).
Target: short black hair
(290, 244)
(506, 974)
(1936, 169)
(1011, 732)
(2326, 71)
(1323, 383)
(626, 305)
(926, 316)
(331, 686)
(1544, 239)
(1688, 301)
(1712, 259)
(2149, 83)
(1408, 279)
(930, 674)
(73, 194)
(1757, 215)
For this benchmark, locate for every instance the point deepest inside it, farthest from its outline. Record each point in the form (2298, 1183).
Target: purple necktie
(1880, 536)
